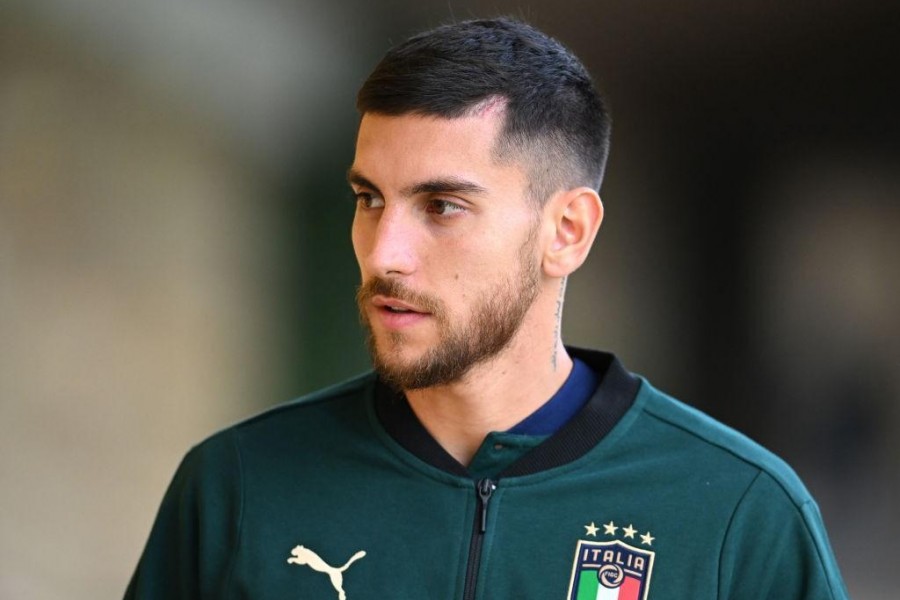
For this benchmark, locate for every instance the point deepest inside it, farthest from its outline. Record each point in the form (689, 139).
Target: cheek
(364, 273)
(358, 239)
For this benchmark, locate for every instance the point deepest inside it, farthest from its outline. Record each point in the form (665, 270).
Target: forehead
(398, 150)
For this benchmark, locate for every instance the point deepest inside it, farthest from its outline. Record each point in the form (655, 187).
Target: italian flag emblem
(610, 571)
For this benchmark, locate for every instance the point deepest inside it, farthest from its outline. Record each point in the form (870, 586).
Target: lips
(395, 306)
(396, 315)
(397, 309)
(388, 305)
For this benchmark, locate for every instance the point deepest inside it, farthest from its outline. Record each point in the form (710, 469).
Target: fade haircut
(555, 123)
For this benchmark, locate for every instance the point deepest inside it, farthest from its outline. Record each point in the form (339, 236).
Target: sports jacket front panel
(317, 499)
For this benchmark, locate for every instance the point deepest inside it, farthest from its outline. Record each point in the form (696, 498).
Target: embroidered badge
(611, 570)
(301, 555)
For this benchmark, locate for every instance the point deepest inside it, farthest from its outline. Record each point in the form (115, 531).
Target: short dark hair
(555, 119)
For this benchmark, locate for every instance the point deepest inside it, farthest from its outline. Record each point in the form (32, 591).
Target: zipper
(484, 489)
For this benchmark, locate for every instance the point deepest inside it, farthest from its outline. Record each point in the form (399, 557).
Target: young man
(482, 459)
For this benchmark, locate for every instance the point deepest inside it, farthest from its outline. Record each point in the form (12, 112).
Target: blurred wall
(148, 154)
(174, 249)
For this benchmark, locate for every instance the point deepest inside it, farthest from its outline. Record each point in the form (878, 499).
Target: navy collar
(575, 392)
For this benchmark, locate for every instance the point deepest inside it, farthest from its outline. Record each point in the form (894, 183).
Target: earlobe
(575, 216)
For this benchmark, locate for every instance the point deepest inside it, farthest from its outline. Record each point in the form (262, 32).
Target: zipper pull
(485, 488)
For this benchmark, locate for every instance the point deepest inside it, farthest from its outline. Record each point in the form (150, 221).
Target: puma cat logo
(302, 555)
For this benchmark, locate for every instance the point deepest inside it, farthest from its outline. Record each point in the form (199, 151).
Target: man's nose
(392, 250)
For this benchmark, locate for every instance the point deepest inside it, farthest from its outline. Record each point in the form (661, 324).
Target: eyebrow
(438, 185)
(354, 177)
(444, 185)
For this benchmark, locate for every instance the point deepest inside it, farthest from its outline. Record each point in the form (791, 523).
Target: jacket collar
(615, 394)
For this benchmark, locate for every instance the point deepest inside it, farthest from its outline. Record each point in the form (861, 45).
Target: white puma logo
(301, 555)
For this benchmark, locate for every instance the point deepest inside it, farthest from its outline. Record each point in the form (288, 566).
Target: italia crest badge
(610, 570)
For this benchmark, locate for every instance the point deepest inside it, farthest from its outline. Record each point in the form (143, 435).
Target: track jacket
(343, 495)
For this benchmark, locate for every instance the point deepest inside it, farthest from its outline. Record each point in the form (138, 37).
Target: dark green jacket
(343, 495)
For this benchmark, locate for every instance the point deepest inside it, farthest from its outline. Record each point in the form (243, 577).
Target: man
(483, 459)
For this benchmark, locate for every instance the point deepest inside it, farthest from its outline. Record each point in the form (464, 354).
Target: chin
(398, 360)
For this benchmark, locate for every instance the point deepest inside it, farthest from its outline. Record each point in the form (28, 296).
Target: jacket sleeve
(192, 544)
(776, 547)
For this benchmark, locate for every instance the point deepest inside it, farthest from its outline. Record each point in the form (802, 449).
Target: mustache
(378, 286)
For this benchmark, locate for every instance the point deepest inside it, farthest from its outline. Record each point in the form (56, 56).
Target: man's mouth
(395, 306)
(398, 309)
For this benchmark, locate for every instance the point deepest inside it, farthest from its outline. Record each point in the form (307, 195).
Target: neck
(493, 396)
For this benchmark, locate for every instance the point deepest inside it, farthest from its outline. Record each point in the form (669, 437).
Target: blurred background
(175, 254)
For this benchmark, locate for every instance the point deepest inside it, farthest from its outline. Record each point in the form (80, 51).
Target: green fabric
(499, 450)
(724, 518)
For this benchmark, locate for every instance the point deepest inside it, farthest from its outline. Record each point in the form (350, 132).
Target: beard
(494, 319)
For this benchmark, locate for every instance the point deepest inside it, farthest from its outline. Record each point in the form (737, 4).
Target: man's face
(446, 241)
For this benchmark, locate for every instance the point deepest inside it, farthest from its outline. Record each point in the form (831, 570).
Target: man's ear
(572, 219)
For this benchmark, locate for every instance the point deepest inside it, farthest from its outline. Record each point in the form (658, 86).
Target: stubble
(493, 321)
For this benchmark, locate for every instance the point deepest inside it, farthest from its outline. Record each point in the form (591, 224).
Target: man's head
(555, 123)
(479, 153)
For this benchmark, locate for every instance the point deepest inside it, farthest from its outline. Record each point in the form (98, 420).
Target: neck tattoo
(558, 325)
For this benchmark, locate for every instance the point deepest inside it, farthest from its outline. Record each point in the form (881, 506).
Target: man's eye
(443, 207)
(367, 200)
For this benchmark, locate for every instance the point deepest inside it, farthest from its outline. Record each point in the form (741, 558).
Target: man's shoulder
(324, 410)
(707, 438)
